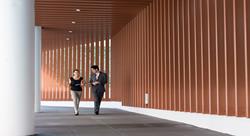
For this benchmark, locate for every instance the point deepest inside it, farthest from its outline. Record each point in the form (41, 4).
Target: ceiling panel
(95, 16)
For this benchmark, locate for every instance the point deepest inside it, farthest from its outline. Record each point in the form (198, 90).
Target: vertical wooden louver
(60, 56)
(189, 55)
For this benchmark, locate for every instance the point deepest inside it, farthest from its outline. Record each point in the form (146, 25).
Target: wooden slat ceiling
(95, 15)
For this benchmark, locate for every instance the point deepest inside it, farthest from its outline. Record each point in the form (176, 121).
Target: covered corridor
(167, 61)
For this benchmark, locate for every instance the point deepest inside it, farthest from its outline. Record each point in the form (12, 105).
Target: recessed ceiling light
(70, 31)
(78, 10)
(73, 22)
(67, 39)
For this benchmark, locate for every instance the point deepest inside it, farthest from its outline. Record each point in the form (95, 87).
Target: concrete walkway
(58, 121)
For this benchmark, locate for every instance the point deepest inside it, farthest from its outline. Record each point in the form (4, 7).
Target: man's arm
(92, 82)
(103, 79)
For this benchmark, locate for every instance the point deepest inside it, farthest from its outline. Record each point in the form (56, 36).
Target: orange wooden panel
(147, 53)
(212, 53)
(240, 60)
(142, 62)
(97, 37)
(192, 56)
(199, 77)
(102, 53)
(60, 68)
(61, 85)
(158, 56)
(51, 69)
(78, 55)
(169, 55)
(43, 68)
(66, 52)
(153, 47)
(161, 56)
(138, 61)
(139, 36)
(68, 68)
(47, 71)
(151, 95)
(128, 78)
(144, 57)
(172, 55)
(92, 48)
(82, 42)
(50, 72)
(247, 52)
(230, 58)
(139, 50)
(182, 52)
(132, 45)
(42, 74)
(180, 56)
(165, 52)
(127, 81)
(56, 68)
(216, 56)
(87, 66)
(132, 35)
(178, 82)
(221, 58)
(107, 64)
(138, 72)
(136, 43)
(205, 25)
(53, 93)
(125, 97)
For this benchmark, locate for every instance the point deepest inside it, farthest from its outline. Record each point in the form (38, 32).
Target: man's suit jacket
(101, 79)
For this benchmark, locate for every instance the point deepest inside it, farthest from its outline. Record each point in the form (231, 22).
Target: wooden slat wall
(189, 55)
(61, 56)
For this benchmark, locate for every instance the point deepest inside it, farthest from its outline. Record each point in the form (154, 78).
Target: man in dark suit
(98, 81)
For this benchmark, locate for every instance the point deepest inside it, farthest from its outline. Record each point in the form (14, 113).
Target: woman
(76, 83)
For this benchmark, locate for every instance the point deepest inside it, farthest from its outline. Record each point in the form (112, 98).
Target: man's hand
(96, 82)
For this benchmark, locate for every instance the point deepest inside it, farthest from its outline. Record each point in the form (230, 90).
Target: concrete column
(37, 68)
(17, 67)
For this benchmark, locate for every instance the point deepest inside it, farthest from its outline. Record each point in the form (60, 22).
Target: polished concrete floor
(58, 121)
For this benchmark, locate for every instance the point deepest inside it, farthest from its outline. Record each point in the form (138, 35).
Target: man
(98, 81)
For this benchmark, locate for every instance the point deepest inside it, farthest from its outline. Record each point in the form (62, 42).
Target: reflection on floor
(59, 121)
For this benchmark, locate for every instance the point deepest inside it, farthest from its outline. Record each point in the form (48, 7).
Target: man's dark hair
(95, 67)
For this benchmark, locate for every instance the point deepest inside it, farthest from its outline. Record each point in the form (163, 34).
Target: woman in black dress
(76, 83)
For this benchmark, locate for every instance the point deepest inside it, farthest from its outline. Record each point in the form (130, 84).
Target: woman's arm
(69, 82)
